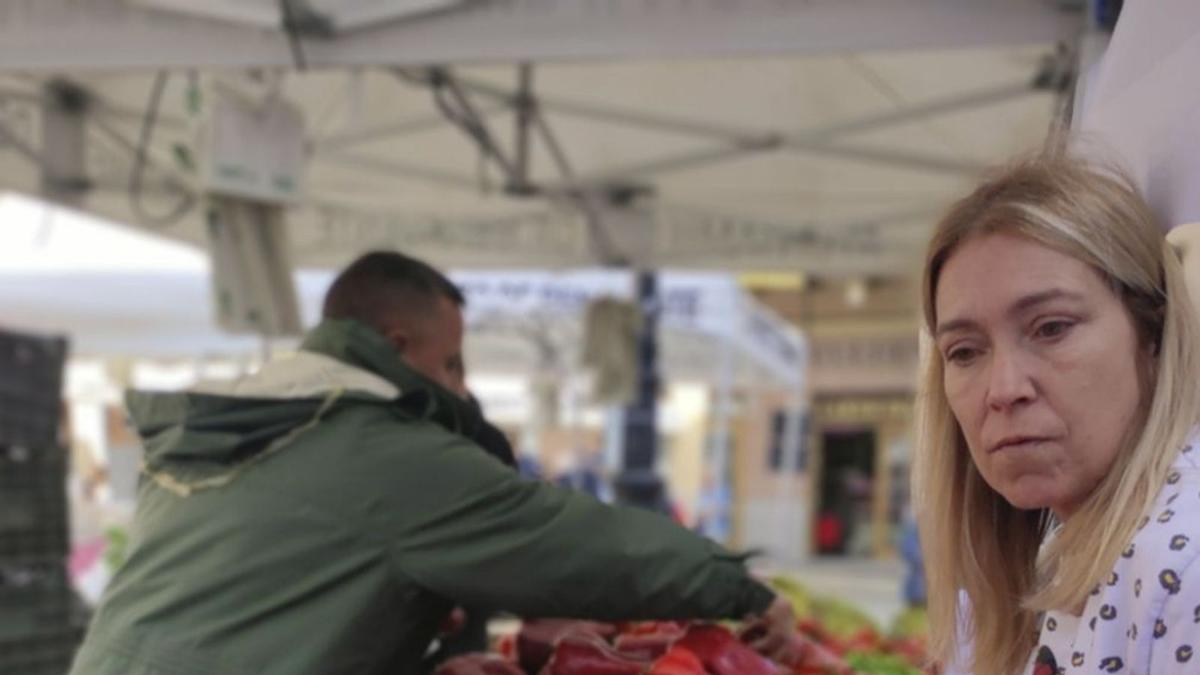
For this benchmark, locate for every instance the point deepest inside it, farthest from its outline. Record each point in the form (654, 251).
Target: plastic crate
(35, 597)
(33, 502)
(33, 582)
(48, 652)
(32, 468)
(31, 370)
(48, 537)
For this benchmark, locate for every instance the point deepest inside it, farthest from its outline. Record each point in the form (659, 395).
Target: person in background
(1057, 472)
(325, 514)
(585, 475)
(910, 550)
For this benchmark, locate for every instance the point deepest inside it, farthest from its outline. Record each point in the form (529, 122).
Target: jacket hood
(204, 436)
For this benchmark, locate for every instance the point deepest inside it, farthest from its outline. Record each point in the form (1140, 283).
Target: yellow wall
(862, 369)
(685, 461)
(759, 492)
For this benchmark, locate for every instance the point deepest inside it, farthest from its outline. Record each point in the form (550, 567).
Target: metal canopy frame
(737, 142)
(592, 195)
(732, 142)
(153, 33)
(129, 34)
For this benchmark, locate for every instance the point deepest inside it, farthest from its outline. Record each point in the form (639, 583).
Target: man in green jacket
(325, 514)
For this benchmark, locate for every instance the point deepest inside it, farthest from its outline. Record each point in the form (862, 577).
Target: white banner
(709, 304)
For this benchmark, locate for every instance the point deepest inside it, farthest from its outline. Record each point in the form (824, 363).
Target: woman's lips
(1015, 442)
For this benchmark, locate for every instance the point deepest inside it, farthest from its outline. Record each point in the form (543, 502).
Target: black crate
(32, 526)
(47, 541)
(31, 370)
(33, 502)
(31, 468)
(48, 652)
(37, 582)
(39, 610)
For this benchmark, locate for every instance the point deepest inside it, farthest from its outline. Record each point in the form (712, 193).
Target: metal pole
(13, 140)
(639, 483)
(1091, 45)
(394, 167)
(519, 181)
(389, 130)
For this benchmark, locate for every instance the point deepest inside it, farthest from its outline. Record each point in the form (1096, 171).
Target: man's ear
(399, 338)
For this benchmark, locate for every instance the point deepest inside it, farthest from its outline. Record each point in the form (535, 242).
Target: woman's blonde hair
(976, 542)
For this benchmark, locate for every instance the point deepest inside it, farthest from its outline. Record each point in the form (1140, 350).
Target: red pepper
(808, 657)
(479, 664)
(653, 627)
(590, 655)
(649, 641)
(814, 630)
(865, 640)
(910, 648)
(678, 661)
(537, 639)
(723, 654)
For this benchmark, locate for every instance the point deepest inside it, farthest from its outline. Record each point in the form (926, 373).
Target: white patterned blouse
(1145, 618)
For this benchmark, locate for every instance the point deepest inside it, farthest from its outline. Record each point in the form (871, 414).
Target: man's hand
(774, 631)
(453, 623)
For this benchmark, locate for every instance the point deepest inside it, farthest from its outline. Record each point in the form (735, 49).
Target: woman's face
(1040, 368)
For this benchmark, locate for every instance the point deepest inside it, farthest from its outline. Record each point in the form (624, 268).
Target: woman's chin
(1029, 496)
(1059, 492)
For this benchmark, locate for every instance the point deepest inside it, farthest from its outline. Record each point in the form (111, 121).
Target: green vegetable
(795, 593)
(912, 622)
(841, 619)
(880, 664)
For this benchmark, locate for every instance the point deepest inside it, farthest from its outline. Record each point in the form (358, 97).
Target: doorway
(847, 480)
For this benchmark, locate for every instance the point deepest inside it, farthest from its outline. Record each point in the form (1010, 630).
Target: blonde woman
(1055, 484)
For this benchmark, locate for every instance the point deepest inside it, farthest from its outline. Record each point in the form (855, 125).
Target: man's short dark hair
(382, 286)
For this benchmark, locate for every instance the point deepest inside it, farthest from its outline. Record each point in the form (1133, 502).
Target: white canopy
(795, 136)
(118, 292)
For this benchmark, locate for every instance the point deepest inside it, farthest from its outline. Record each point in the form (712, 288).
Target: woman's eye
(960, 356)
(1052, 329)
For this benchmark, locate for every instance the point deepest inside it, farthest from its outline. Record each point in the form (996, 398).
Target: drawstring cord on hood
(185, 488)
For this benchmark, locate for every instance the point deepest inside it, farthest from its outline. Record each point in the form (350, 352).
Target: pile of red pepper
(558, 647)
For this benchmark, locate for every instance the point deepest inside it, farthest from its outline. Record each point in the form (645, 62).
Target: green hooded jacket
(323, 516)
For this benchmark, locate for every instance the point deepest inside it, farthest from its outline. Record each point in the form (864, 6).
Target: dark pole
(639, 483)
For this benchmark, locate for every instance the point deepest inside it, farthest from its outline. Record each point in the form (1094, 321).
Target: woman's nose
(1009, 380)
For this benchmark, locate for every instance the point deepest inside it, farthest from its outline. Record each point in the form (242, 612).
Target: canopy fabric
(123, 293)
(1142, 105)
(822, 137)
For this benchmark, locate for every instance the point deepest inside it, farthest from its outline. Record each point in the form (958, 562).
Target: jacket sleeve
(473, 531)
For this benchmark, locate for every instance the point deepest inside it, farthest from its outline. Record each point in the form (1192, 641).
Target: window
(777, 446)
